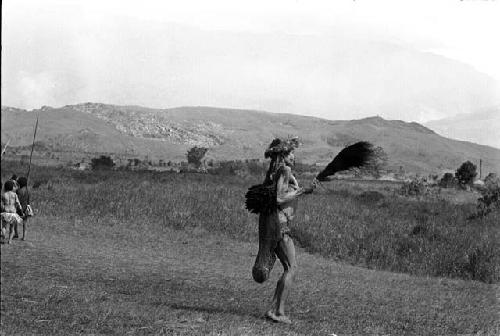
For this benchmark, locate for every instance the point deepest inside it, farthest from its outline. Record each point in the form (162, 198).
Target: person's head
(22, 181)
(14, 177)
(8, 186)
(280, 151)
(279, 148)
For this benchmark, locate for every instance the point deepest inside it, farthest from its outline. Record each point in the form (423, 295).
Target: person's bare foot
(284, 319)
(278, 318)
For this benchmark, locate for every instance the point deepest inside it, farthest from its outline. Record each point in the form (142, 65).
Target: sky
(410, 60)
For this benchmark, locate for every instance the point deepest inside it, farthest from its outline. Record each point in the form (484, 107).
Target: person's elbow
(281, 199)
(287, 197)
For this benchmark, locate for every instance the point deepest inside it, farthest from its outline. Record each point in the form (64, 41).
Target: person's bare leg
(25, 223)
(271, 313)
(274, 301)
(16, 232)
(286, 253)
(12, 230)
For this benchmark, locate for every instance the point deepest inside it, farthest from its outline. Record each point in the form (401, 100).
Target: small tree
(195, 155)
(448, 181)
(465, 173)
(102, 162)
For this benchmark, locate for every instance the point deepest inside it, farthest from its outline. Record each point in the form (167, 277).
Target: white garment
(9, 218)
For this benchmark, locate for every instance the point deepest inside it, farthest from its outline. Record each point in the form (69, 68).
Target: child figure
(24, 198)
(10, 207)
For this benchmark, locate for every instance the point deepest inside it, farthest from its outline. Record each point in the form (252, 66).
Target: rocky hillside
(233, 134)
(150, 124)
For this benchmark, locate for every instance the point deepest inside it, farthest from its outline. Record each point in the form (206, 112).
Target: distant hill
(233, 134)
(481, 127)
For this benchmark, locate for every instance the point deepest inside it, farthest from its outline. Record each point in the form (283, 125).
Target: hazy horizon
(398, 59)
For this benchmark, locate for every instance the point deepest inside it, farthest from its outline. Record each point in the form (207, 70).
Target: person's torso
(23, 196)
(286, 210)
(9, 201)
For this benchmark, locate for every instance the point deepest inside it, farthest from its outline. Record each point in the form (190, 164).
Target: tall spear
(5, 148)
(32, 147)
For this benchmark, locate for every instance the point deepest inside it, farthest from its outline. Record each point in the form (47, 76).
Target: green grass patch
(363, 223)
(142, 253)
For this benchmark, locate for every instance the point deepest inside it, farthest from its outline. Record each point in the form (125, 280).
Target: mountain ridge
(481, 126)
(233, 134)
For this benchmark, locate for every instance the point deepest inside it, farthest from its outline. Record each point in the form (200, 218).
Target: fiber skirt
(269, 236)
(9, 219)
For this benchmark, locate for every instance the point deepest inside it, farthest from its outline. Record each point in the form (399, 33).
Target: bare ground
(101, 278)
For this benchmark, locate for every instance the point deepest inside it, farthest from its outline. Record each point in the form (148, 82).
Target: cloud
(331, 61)
(37, 89)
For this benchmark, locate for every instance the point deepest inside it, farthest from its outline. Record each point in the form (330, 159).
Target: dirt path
(70, 279)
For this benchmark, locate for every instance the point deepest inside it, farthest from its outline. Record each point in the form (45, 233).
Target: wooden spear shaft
(5, 147)
(32, 147)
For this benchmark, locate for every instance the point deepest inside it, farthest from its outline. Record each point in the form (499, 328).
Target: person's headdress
(281, 146)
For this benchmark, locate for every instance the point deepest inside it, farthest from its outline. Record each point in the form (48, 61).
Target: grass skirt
(10, 220)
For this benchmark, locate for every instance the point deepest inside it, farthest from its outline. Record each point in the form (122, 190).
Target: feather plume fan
(261, 198)
(353, 156)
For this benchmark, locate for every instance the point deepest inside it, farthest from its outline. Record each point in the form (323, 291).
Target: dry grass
(361, 223)
(147, 253)
(74, 277)
(416, 236)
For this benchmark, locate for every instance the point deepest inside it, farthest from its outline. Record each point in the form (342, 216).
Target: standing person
(24, 200)
(274, 231)
(10, 205)
(14, 180)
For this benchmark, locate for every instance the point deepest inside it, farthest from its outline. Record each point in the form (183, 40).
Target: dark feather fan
(353, 156)
(261, 198)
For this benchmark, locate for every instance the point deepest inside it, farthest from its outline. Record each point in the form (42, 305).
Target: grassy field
(149, 253)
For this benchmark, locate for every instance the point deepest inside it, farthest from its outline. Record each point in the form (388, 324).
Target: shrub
(448, 181)
(102, 162)
(489, 200)
(491, 179)
(466, 173)
(415, 187)
(195, 155)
